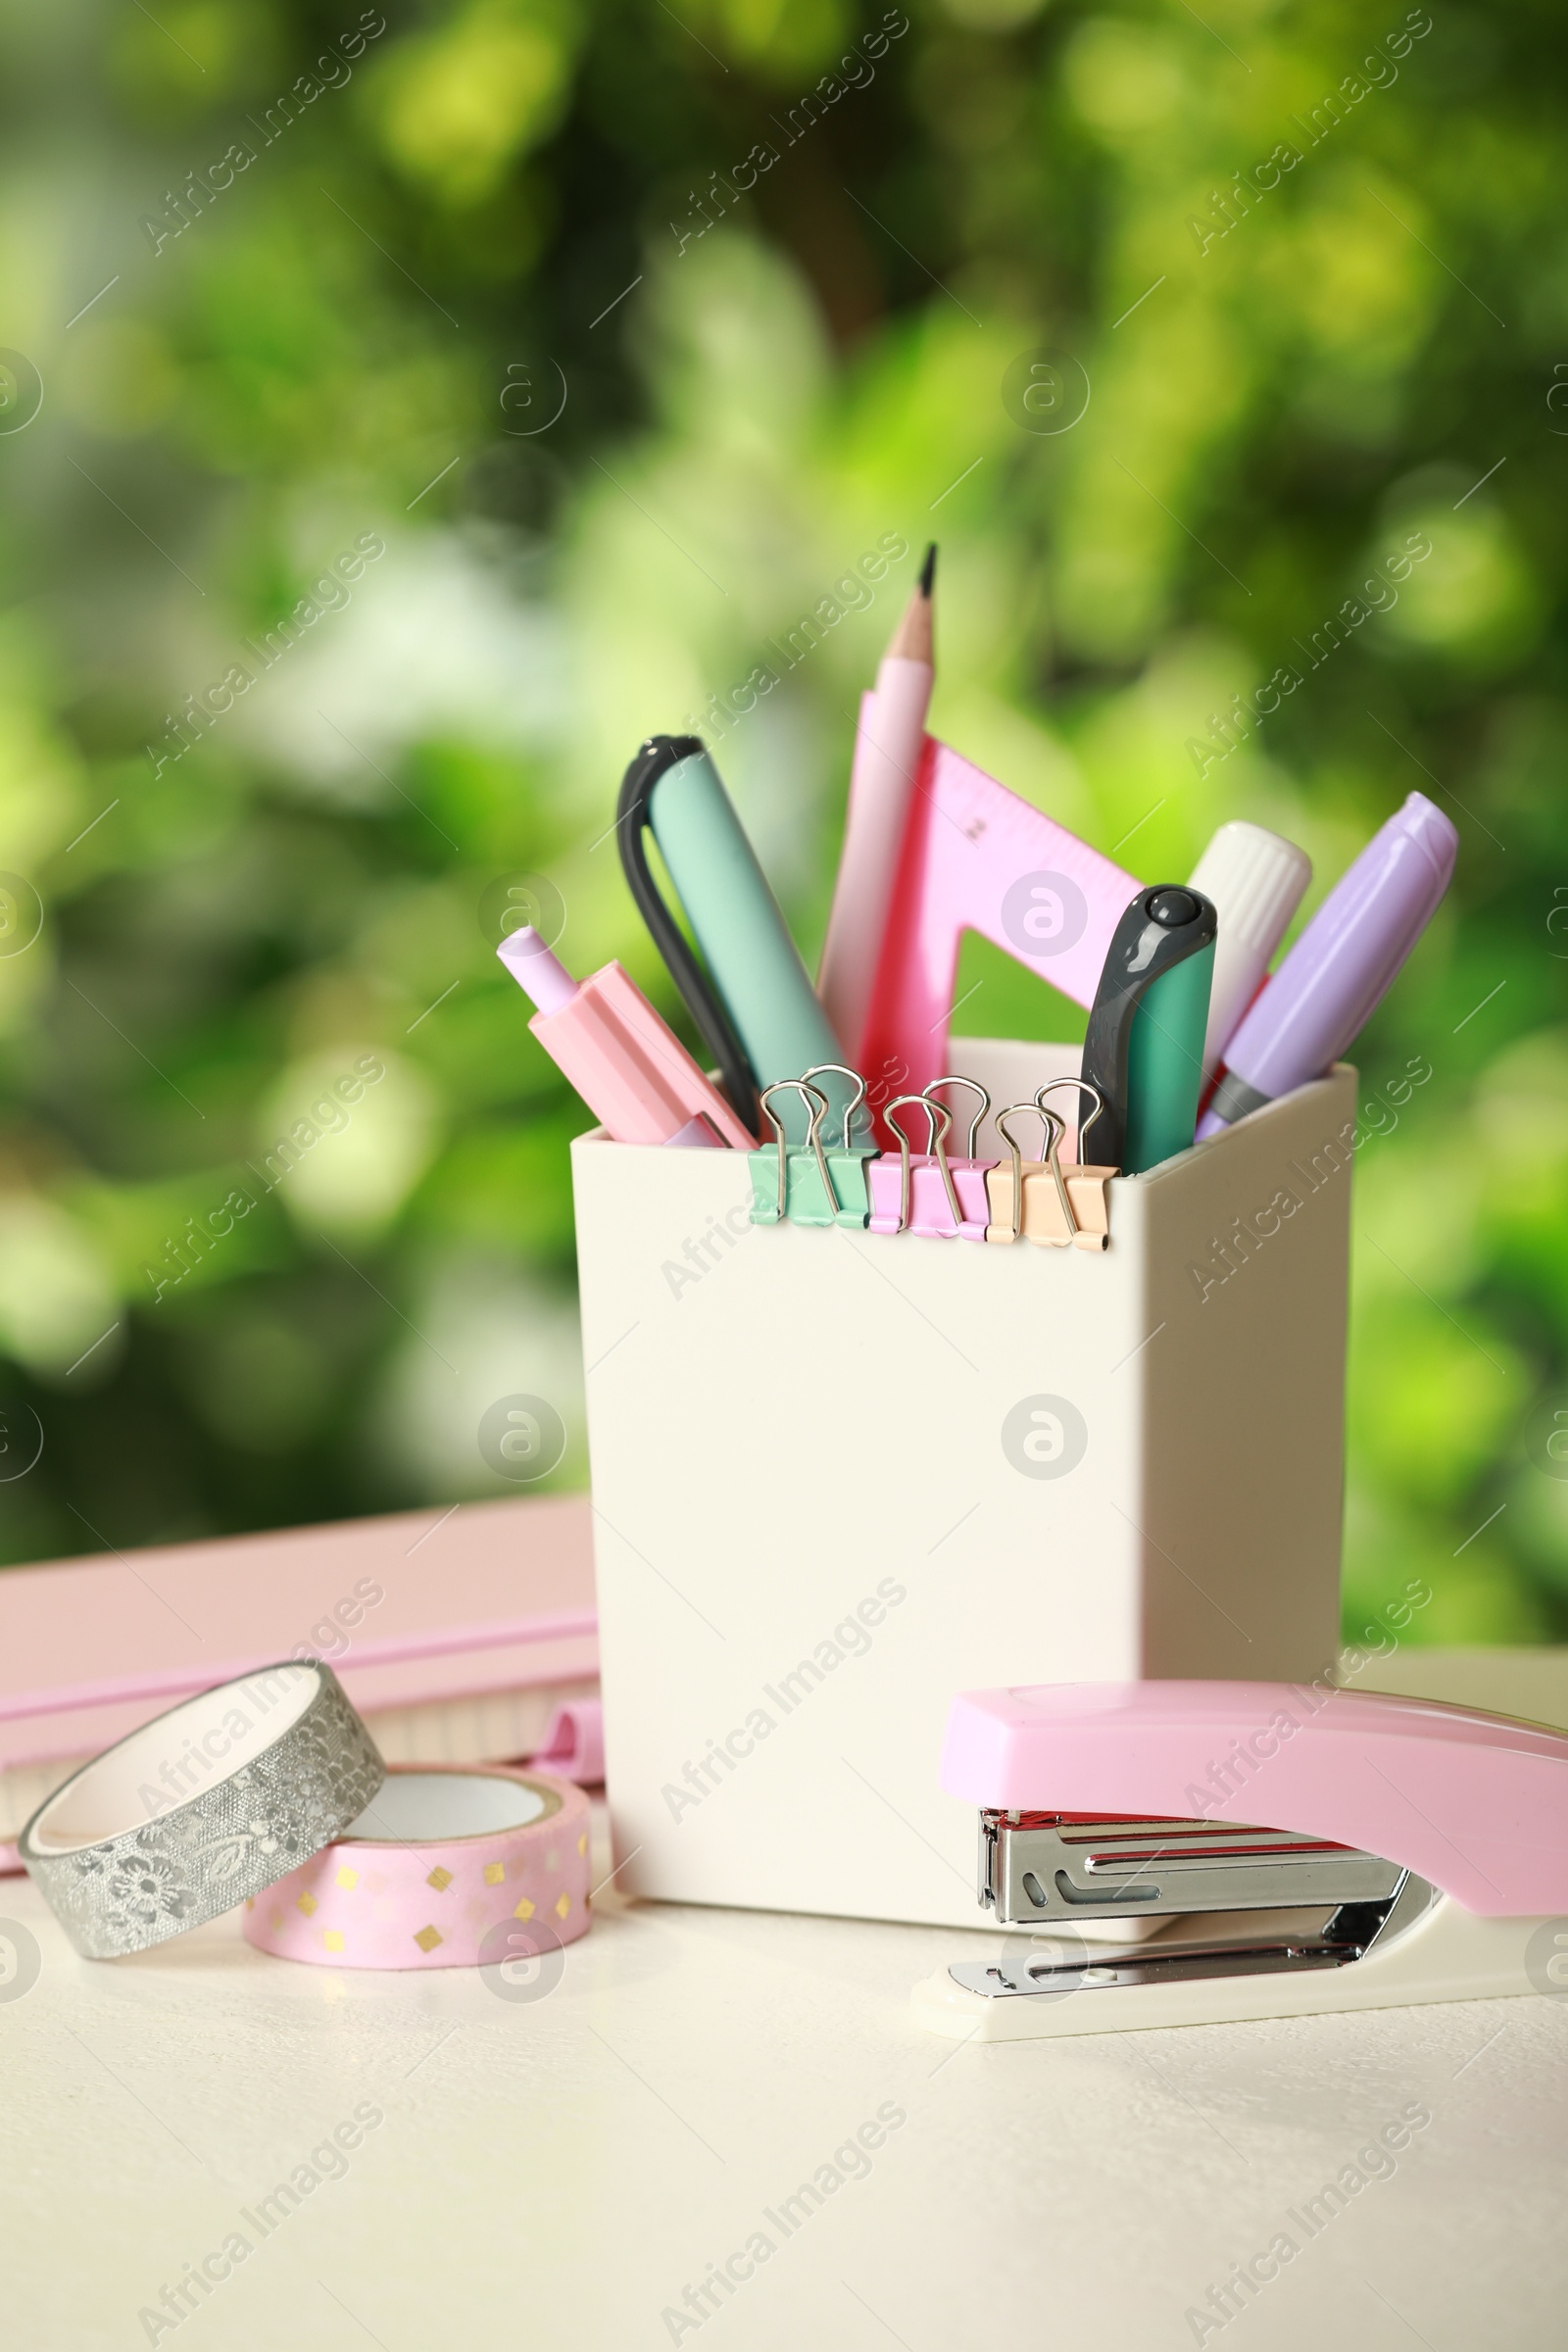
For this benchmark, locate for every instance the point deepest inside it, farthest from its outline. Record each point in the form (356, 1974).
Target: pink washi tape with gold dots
(449, 1866)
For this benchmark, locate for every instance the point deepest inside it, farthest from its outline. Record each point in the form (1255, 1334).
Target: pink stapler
(1287, 1848)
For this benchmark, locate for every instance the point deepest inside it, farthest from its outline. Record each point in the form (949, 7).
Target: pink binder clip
(919, 1194)
(968, 1173)
(1431, 1842)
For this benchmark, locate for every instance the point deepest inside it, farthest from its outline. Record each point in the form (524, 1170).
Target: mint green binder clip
(793, 1184)
(848, 1163)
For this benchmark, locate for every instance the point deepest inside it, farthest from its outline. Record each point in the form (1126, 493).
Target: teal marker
(767, 1005)
(1143, 1049)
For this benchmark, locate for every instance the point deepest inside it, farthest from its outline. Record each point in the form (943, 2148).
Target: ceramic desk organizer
(839, 1474)
(1294, 1850)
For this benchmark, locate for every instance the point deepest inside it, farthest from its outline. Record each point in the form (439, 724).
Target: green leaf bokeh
(362, 333)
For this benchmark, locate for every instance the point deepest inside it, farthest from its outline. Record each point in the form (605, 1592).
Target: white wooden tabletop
(725, 2125)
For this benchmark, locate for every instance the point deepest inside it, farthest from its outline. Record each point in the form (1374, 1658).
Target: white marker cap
(1255, 879)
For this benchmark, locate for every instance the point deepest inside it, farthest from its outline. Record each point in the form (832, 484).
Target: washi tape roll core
(200, 1807)
(449, 1866)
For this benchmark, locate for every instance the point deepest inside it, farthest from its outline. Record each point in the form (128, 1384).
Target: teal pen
(1144, 1047)
(766, 998)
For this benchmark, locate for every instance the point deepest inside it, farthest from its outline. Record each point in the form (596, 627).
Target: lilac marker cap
(1341, 966)
(537, 972)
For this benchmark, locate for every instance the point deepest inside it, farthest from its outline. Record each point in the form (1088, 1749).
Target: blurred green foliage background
(366, 329)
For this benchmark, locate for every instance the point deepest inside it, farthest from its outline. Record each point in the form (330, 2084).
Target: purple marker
(1342, 965)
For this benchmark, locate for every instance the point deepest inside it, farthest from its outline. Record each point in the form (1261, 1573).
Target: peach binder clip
(1008, 1184)
(917, 1193)
(1291, 1850)
(1075, 1208)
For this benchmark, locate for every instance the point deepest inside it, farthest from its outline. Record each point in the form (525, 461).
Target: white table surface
(560, 2169)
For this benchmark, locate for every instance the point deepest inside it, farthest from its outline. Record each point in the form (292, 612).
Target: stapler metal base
(1041, 1986)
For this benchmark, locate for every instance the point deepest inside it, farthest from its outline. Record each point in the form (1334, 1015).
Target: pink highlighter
(627, 1064)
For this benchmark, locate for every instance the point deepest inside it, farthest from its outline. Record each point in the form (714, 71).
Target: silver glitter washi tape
(203, 1806)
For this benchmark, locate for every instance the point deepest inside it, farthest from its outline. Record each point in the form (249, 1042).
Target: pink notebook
(420, 1608)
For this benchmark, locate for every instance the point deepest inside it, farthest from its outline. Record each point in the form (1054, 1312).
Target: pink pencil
(888, 746)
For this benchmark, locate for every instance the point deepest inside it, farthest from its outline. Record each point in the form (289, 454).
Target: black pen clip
(655, 757)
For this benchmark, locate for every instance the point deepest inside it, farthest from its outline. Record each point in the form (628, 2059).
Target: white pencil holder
(839, 1476)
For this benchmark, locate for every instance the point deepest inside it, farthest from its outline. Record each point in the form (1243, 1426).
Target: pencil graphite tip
(911, 639)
